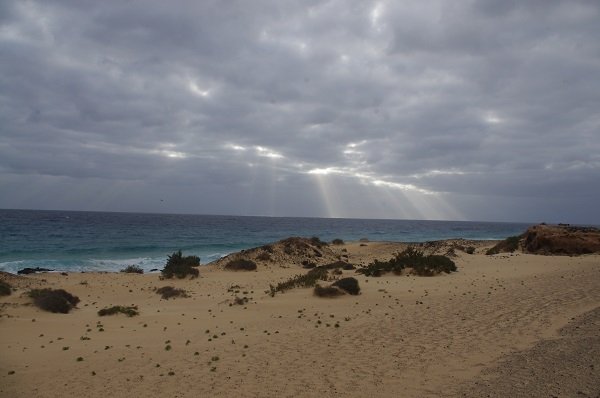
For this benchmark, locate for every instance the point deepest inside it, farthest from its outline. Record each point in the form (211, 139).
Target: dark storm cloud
(477, 110)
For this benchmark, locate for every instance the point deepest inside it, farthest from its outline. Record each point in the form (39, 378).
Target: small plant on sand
(240, 265)
(119, 309)
(337, 242)
(469, 250)
(509, 244)
(264, 256)
(327, 291)
(317, 242)
(180, 266)
(132, 269)
(53, 300)
(349, 285)
(307, 280)
(5, 289)
(414, 259)
(168, 292)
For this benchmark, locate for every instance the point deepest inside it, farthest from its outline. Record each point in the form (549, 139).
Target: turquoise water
(94, 241)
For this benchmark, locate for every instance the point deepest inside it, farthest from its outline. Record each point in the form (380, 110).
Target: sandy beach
(503, 325)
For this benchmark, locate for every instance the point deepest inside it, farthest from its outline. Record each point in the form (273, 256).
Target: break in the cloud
(483, 110)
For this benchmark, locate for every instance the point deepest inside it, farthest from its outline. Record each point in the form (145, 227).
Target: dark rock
(561, 239)
(27, 271)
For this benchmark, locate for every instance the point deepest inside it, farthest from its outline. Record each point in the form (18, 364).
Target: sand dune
(503, 322)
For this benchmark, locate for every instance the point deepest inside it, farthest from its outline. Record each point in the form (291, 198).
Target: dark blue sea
(94, 241)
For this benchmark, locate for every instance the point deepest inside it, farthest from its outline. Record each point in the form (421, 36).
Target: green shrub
(317, 242)
(509, 244)
(470, 250)
(335, 265)
(53, 300)
(241, 265)
(5, 289)
(307, 280)
(264, 256)
(337, 242)
(180, 266)
(119, 309)
(327, 291)
(168, 292)
(349, 285)
(410, 258)
(132, 269)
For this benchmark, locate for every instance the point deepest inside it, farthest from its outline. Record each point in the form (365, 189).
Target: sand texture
(518, 325)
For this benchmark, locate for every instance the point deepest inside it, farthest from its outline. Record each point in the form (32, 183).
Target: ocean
(97, 241)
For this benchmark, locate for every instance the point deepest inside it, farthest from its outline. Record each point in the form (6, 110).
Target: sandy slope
(498, 318)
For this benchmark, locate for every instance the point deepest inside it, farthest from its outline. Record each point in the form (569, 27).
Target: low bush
(264, 256)
(469, 250)
(317, 242)
(349, 285)
(410, 258)
(307, 280)
(180, 266)
(348, 267)
(168, 292)
(240, 300)
(5, 289)
(119, 309)
(335, 265)
(509, 245)
(241, 265)
(337, 242)
(132, 269)
(53, 300)
(327, 291)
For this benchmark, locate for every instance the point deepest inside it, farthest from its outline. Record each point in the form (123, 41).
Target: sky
(447, 110)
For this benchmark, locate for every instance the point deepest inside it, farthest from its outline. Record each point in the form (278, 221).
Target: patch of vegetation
(509, 244)
(336, 265)
(410, 258)
(267, 248)
(240, 300)
(337, 242)
(348, 267)
(308, 264)
(469, 250)
(241, 265)
(307, 280)
(5, 289)
(53, 300)
(180, 266)
(132, 269)
(317, 242)
(327, 291)
(264, 256)
(349, 285)
(119, 309)
(168, 292)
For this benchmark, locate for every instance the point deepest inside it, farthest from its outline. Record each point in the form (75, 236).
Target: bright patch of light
(268, 153)
(434, 172)
(375, 15)
(492, 118)
(395, 185)
(172, 154)
(196, 90)
(355, 144)
(236, 147)
(325, 171)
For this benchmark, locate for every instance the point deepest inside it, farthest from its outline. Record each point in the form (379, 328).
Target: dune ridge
(447, 335)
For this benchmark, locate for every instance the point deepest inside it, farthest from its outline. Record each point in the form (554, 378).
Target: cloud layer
(485, 110)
